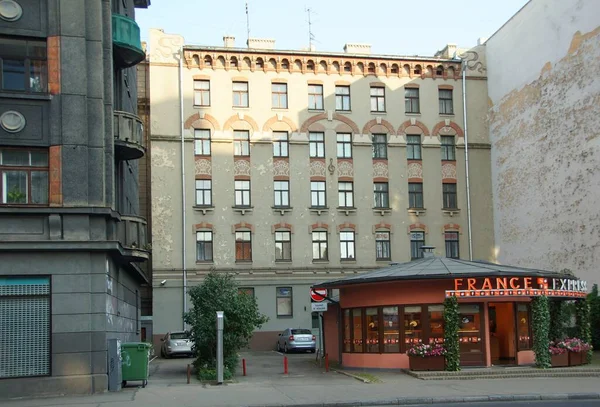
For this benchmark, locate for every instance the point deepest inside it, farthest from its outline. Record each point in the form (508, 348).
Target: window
(413, 327)
(449, 196)
(452, 245)
(282, 193)
(319, 245)
(448, 148)
(372, 327)
(342, 98)
(279, 95)
(283, 246)
(415, 195)
(381, 195)
(284, 301)
(380, 146)
(243, 246)
(347, 246)
(470, 338)
(446, 105)
(417, 240)
(346, 194)
(280, 144)
(357, 331)
(249, 291)
(201, 93)
(315, 97)
(202, 142)
(203, 192)
(23, 65)
(382, 246)
(377, 99)
(316, 143)
(240, 94)
(344, 145)
(411, 100)
(391, 330)
(24, 177)
(204, 246)
(436, 323)
(413, 147)
(347, 340)
(317, 194)
(524, 326)
(241, 143)
(242, 193)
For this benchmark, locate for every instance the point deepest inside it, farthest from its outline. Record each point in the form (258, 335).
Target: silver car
(176, 343)
(296, 339)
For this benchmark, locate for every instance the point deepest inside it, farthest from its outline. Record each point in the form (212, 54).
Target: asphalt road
(559, 403)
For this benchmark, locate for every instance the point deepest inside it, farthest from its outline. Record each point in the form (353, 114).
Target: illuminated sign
(518, 286)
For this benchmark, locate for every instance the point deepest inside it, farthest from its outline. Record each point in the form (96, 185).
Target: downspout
(183, 197)
(464, 97)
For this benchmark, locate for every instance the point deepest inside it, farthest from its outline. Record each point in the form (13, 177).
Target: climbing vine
(541, 328)
(451, 326)
(558, 319)
(582, 312)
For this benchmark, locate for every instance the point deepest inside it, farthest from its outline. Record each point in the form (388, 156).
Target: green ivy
(451, 326)
(582, 311)
(541, 328)
(594, 301)
(558, 320)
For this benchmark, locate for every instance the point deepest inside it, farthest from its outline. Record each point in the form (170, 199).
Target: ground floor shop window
(284, 302)
(391, 330)
(372, 328)
(524, 326)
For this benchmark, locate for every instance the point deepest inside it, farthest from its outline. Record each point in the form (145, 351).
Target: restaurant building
(379, 315)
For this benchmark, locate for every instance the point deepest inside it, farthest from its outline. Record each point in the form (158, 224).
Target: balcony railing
(127, 45)
(131, 232)
(129, 136)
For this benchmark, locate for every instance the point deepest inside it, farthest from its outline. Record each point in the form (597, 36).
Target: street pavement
(307, 384)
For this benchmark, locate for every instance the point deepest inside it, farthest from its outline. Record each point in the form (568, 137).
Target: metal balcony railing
(131, 232)
(129, 136)
(127, 44)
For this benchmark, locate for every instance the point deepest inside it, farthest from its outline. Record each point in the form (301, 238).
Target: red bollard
(285, 365)
(327, 362)
(244, 366)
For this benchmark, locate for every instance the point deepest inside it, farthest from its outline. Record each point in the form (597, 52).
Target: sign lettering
(518, 286)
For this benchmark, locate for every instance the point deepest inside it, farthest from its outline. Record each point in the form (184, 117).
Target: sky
(402, 27)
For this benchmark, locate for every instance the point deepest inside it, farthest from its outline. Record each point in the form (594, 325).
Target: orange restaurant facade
(381, 313)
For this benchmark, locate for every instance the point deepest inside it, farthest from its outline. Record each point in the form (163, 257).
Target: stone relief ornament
(345, 169)
(12, 121)
(415, 170)
(471, 58)
(281, 168)
(167, 48)
(10, 10)
(241, 167)
(448, 171)
(203, 167)
(317, 169)
(380, 170)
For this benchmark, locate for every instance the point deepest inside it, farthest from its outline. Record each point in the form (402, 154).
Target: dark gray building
(73, 247)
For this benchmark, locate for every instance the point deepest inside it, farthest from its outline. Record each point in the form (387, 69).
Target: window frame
(446, 103)
(203, 93)
(283, 244)
(452, 245)
(241, 143)
(320, 194)
(28, 169)
(279, 99)
(415, 196)
(416, 244)
(529, 344)
(281, 144)
(278, 295)
(449, 196)
(378, 99)
(247, 290)
(412, 102)
(348, 244)
(283, 193)
(243, 95)
(239, 187)
(204, 243)
(448, 149)
(202, 143)
(343, 194)
(244, 246)
(380, 149)
(203, 191)
(343, 98)
(414, 151)
(346, 145)
(316, 147)
(321, 244)
(383, 195)
(383, 245)
(315, 97)
(27, 57)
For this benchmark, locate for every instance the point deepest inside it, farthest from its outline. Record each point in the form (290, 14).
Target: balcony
(129, 136)
(127, 46)
(131, 233)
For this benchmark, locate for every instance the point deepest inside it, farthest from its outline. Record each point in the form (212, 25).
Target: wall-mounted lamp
(163, 282)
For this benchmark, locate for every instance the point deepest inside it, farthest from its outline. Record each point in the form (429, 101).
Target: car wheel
(278, 347)
(312, 351)
(285, 348)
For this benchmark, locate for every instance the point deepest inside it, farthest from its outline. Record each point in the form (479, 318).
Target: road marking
(279, 353)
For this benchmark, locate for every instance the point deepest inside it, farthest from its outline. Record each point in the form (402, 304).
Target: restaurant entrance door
(471, 335)
(503, 347)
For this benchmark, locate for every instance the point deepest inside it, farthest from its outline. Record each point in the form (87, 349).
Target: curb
(360, 379)
(408, 401)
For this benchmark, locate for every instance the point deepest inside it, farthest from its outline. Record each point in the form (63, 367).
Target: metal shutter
(24, 326)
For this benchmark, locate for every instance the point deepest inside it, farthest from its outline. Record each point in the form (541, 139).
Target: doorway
(503, 346)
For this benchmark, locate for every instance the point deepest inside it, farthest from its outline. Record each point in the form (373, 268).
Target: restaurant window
(415, 195)
(241, 143)
(347, 246)
(524, 326)
(203, 192)
(377, 99)
(413, 147)
(380, 146)
(436, 323)
(452, 245)
(283, 246)
(469, 330)
(417, 240)
(243, 246)
(347, 329)
(346, 194)
(391, 330)
(413, 328)
(382, 246)
(316, 145)
(449, 196)
(24, 177)
(372, 328)
(279, 95)
(201, 93)
(201, 142)
(249, 291)
(204, 246)
(23, 65)
(357, 332)
(319, 245)
(344, 145)
(315, 97)
(342, 98)
(448, 148)
(411, 100)
(281, 144)
(282, 194)
(284, 302)
(240, 94)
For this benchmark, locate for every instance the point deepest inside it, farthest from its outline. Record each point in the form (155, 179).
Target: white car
(296, 339)
(176, 343)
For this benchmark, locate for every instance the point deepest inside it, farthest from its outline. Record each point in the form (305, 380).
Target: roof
(438, 268)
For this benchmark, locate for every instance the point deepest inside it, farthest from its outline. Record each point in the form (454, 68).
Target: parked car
(176, 343)
(296, 339)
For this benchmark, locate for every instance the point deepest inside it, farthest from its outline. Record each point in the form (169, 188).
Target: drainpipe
(464, 97)
(183, 197)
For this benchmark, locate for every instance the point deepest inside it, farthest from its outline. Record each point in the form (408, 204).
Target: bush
(558, 320)
(210, 374)
(594, 301)
(451, 326)
(541, 327)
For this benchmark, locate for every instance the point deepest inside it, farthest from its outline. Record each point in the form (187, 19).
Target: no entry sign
(318, 294)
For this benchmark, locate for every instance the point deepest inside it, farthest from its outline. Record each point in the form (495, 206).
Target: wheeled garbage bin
(135, 359)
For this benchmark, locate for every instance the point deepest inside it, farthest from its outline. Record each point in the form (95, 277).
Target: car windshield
(179, 335)
(301, 332)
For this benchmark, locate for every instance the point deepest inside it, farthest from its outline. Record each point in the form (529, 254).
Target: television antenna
(311, 36)
(247, 26)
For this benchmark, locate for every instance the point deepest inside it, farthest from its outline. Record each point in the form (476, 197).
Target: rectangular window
(203, 192)
(415, 195)
(344, 145)
(411, 100)
(24, 177)
(347, 335)
(315, 97)
(243, 246)
(241, 143)
(382, 246)
(202, 142)
(279, 95)
(347, 246)
(319, 243)
(284, 301)
(380, 146)
(283, 246)
(316, 144)
(23, 65)
(202, 93)
(249, 291)
(413, 327)
(342, 98)
(204, 246)
(377, 99)
(470, 336)
(446, 105)
(282, 193)
(436, 323)
(240, 94)
(242, 193)
(448, 148)
(381, 195)
(346, 194)
(417, 240)
(281, 144)
(449, 196)
(413, 147)
(452, 245)
(372, 326)
(524, 326)
(391, 330)
(357, 331)
(317, 194)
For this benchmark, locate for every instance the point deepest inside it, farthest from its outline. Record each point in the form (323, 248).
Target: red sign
(318, 294)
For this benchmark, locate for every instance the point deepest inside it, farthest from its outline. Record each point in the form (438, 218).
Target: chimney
(357, 48)
(228, 41)
(428, 251)
(447, 52)
(261, 43)
(481, 40)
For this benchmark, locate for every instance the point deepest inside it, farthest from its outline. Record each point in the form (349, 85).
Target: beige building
(303, 166)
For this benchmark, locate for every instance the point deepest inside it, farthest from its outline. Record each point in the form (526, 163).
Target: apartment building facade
(288, 168)
(72, 246)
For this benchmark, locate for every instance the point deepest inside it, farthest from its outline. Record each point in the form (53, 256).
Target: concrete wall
(544, 92)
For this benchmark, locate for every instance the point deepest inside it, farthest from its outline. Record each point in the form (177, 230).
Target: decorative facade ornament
(203, 167)
(447, 130)
(166, 48)
(345, 169)
(331, 167)
(10, 10)
(317, 169)
(241, 167)
(380, 170)
(281, 168)
(471, 58)
(448, 171)
(415, 170)
(12, 121)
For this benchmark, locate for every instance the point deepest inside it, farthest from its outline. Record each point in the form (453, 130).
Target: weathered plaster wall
(544, 129)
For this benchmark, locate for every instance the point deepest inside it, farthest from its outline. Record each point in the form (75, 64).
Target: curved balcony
(127, 45)
(129, 136)
(131, 232)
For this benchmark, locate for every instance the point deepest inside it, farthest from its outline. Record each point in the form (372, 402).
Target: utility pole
(247, 26)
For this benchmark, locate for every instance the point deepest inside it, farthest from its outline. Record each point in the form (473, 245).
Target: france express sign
(318, 294)
(518, 286)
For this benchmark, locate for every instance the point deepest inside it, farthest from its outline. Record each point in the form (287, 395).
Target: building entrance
(503, 346)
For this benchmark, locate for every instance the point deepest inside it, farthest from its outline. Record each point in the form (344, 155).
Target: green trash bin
(135, 359)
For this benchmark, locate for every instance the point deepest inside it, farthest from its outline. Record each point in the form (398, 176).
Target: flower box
(427, 363)
(560, 360)
(577, 358)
